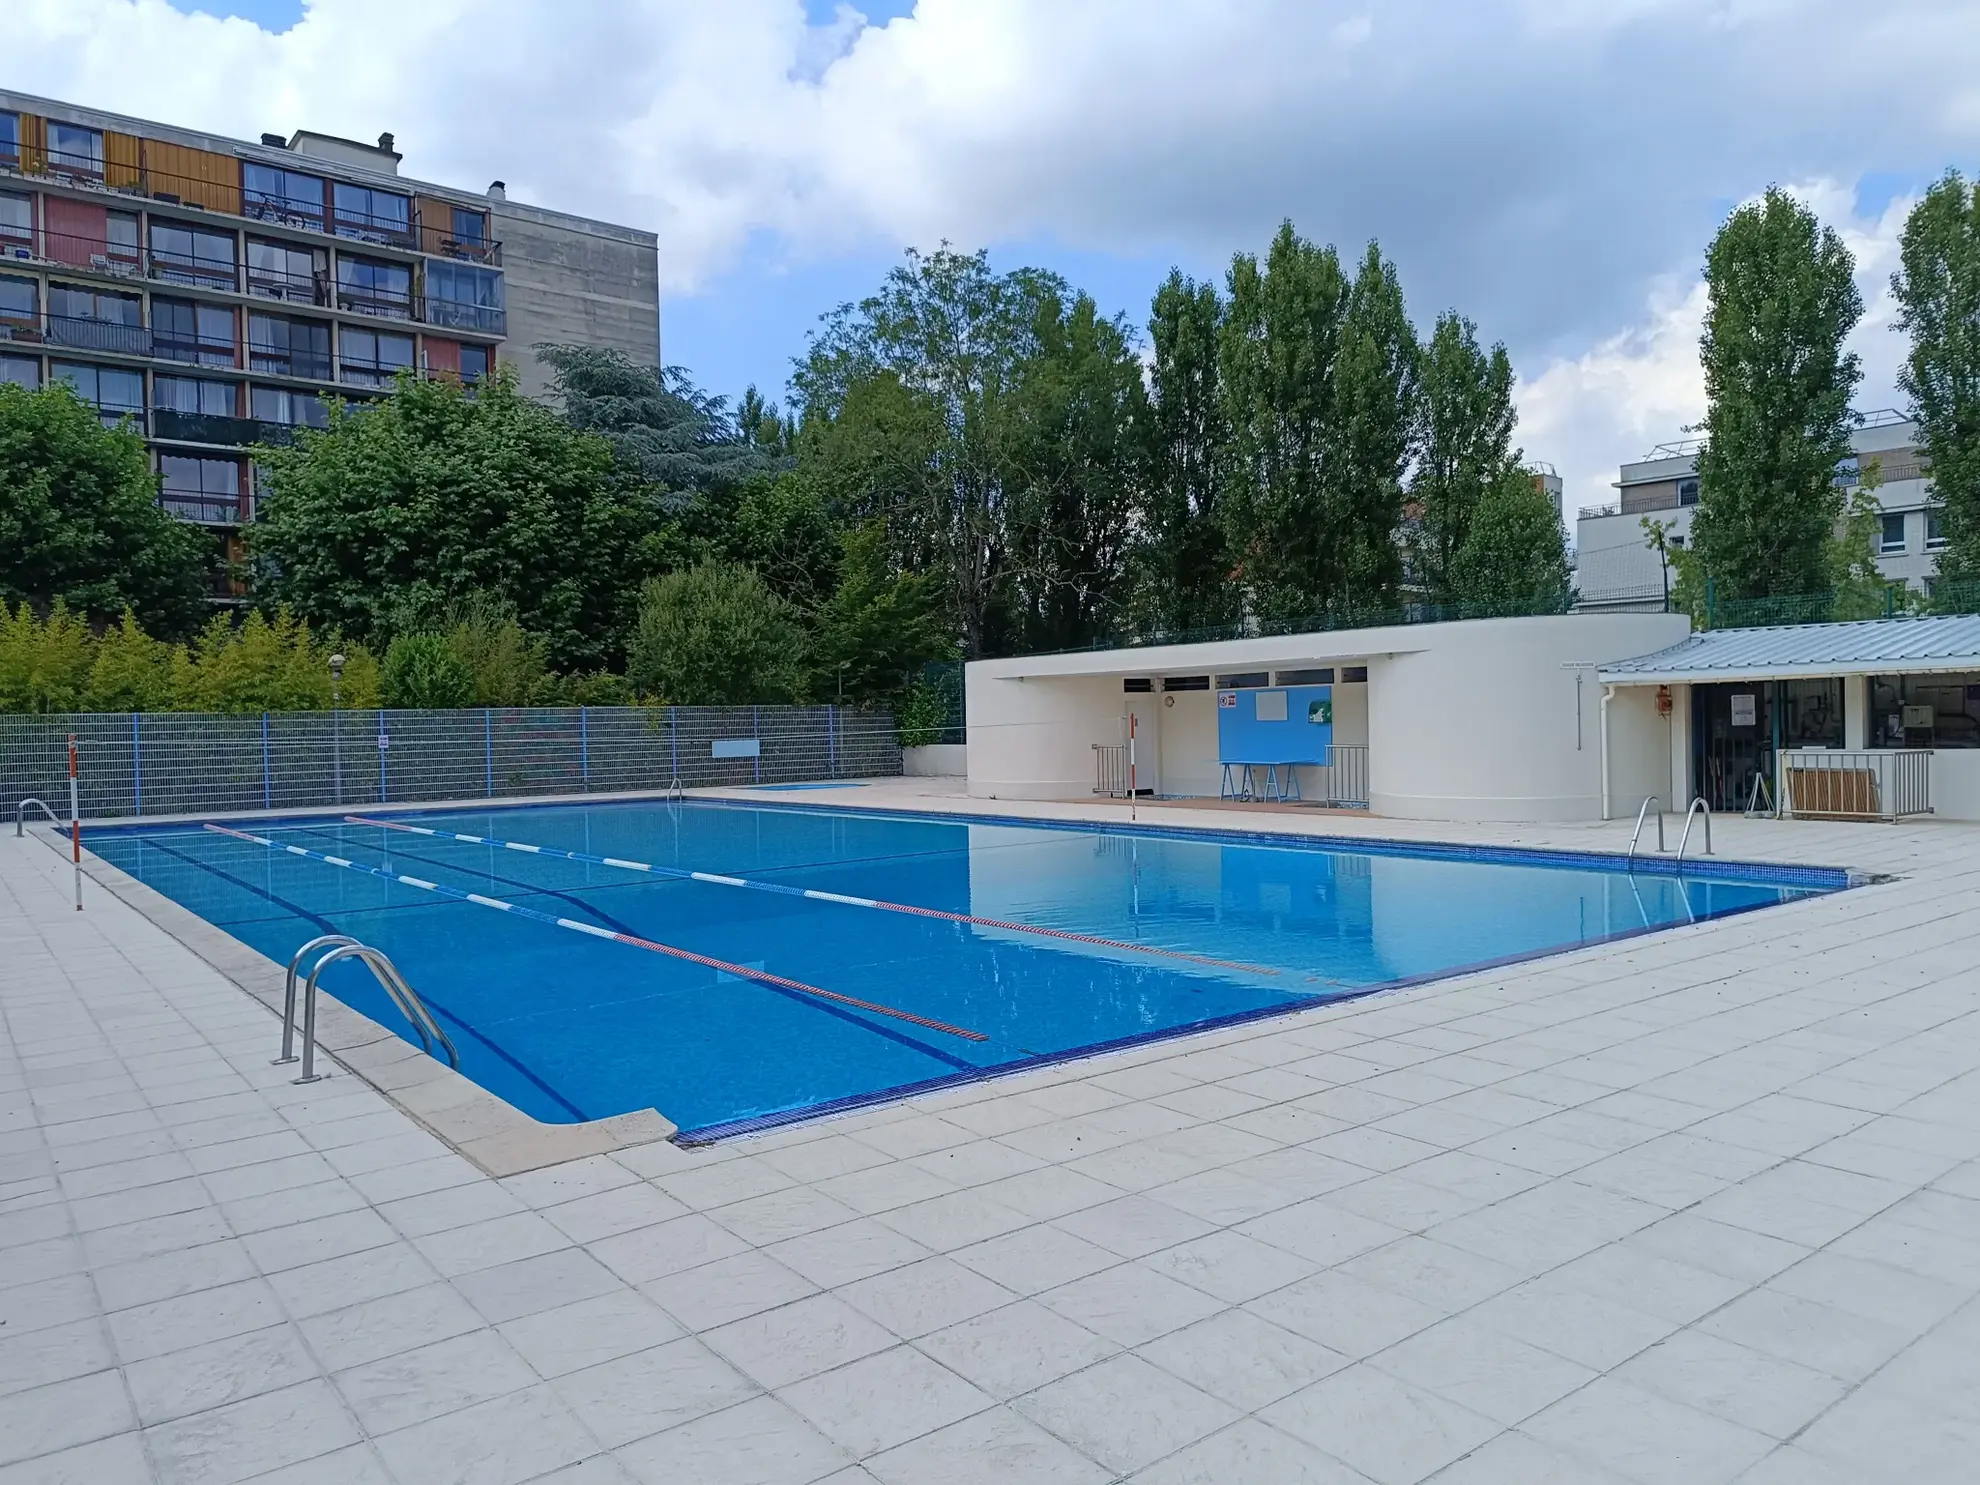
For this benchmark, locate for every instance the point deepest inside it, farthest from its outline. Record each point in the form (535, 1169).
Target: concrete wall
(1482, 725)
(1956, 783)
(569, 281)
(936, 761)
(1032, 738)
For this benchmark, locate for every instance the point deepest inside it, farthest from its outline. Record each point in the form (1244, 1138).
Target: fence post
(384, 743)
(267, 782)
(488, 748)
(674, 740)
(1711, 603)
(756, 731)
(137, 768)
(832, 737)
(584, 748)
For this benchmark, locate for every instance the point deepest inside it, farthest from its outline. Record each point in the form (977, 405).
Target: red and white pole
(75, 822)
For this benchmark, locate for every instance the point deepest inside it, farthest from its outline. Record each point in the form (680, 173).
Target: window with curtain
(16, 220)
(200, 488)
(187, 255)
(281, 270)
(193, 394)
(113, 392)
(371, 358)
(20, 300)
(372, 215)
(289, 408)
(184, 331)
(464, 297)
(74, 150)
(274, 194)
(22, 371)
(286, 347)
(373, 288)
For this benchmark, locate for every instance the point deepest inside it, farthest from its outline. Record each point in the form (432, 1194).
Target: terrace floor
(1701, 1206)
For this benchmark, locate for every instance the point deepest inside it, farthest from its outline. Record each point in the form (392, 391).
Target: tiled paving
(1699, 1207)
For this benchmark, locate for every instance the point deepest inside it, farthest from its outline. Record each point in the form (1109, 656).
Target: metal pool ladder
(342, 946)
(1637, 834)
(21, 809)
(1691, 814)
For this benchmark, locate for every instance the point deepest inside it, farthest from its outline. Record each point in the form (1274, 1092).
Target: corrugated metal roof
(1872, 646)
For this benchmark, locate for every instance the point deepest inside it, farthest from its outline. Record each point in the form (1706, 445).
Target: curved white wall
(1480, 724)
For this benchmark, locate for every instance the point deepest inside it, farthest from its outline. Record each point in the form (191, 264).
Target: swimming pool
(790, 982)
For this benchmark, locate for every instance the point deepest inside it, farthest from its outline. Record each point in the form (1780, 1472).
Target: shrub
(715, 636)
(422, 671)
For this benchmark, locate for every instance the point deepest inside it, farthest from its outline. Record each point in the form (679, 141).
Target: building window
(74, 150)
(476, 361)
(277, 270)
(93, 319)
(284, 347)
(20, 371)
(120, 240)
(115, 394)
(1354, 673)
(1935, 530)
(1185, 683)
(186, 255)
(1890, 533)
(200, 333)
(20, 301)
(10, 139)
(369, 288)
(372, 216)
(1811, 713)
(272, 194)
(464, 297)
(16, 224)
(1321, 677)
(1249, 680)
(1925, 711)
(371, 358)
(199, 488)
(291, 409)
(1688, 492)
(192, 394)
(470, 229)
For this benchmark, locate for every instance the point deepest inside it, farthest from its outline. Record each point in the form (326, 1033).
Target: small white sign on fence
(736, 747)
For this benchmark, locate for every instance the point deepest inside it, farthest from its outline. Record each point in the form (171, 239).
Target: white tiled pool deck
(1702, 1206)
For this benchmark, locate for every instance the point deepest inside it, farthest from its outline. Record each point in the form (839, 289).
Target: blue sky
(1552, 168)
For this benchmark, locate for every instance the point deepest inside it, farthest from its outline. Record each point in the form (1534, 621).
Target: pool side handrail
(403, 996)
(1689, 815)
(321, 941)
(20, 810)
(1637, 834)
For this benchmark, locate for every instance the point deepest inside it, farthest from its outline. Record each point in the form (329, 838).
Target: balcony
(481, 319)
(203, 510)
(99, 335)
(185, 427)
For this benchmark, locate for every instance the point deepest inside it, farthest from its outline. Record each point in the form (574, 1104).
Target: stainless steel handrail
(1637, 834)
(1690, 815)
(403, 996)
(20, 810)
(322, 941)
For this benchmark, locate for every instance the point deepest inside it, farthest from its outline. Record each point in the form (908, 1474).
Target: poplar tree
(1465, 427)
(1370, 434)
(1185, 561)
(1782, 300)
(1938, 293)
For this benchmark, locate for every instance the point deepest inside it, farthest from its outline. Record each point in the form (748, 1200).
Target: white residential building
(1617, 569)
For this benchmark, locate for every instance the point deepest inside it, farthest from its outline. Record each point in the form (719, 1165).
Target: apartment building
(1617, 568)
(219, 293)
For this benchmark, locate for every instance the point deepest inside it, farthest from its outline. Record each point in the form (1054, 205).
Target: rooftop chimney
(385, 143)
(497, 191)
(275, 141)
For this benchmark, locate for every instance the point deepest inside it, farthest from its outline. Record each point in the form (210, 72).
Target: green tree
(1464, 447)
(421, 670)
(1937, 286)
(132, 672)
(1080, 409)
(783, 527)
(662, 428)
(80, 519)
(1184, 566)
(879, 626)
(909, 399)
(1782, 300)
(260, 665)
(507, 664)
(44, 663)
(440, 492)
(715, 636)
(1514, 557)
(1371, 430)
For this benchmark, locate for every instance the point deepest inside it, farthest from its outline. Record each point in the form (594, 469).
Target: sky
(1553, 169)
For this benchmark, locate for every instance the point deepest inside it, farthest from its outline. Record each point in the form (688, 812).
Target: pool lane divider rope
(786, 890)
(740, 971)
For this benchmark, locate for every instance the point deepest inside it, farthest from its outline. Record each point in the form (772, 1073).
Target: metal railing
(217, 428)
(1637, 834)
(78, 333)
(1110, 770)
(338, 947)
(183, 763)
(1883, 784)
(20, 812)
(1343, 778)
(1698, 806)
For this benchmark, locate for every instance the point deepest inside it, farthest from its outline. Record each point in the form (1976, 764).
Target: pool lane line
(323, 924)
(786, 890)
(740, 971)
(824, 1007)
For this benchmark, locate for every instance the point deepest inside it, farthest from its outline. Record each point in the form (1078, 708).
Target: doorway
(1738, 728)
(1145, 707)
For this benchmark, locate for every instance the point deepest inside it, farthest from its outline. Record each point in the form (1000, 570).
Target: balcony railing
(454, 315)
(1596, 512)
(306, 364)
(193, 351)
(438, 237)
(215, 428)
(380, 306)
(203, 510)
(99, 335)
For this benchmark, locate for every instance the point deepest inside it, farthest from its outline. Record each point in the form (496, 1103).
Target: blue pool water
(570, 1027)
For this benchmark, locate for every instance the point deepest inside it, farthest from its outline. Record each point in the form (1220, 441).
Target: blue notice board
(1286, 724)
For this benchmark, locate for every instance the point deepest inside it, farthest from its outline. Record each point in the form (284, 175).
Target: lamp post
(336, 724)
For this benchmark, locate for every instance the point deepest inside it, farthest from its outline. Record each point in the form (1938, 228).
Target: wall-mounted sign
(1227, 700)
(1743, 710)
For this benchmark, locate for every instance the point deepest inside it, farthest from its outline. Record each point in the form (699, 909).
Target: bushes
(715, 636)
(422, 671)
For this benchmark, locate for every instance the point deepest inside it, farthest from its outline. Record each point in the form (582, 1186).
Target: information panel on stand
(1282, 724)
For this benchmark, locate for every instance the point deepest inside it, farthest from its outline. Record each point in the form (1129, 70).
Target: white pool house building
(1559, 718)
